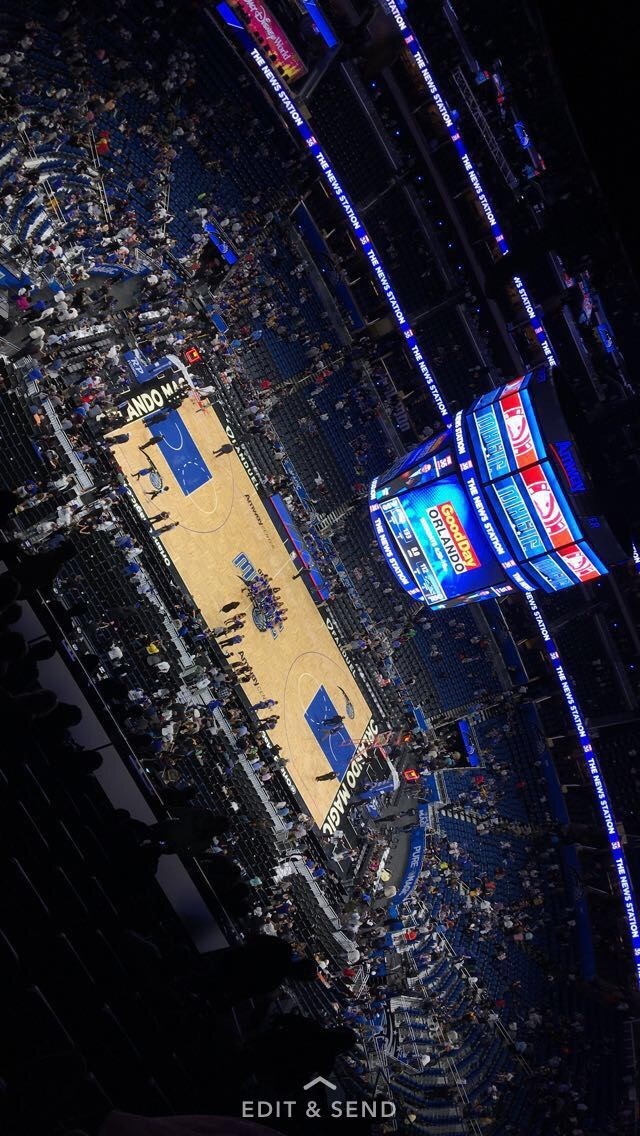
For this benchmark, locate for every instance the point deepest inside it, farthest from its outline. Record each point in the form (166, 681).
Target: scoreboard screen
(498, 502)
(440, 542)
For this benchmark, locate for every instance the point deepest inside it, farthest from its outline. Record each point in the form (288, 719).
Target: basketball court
(225, 537)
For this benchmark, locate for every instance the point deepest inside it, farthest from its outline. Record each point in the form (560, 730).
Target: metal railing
(104, 200)
(50, 200)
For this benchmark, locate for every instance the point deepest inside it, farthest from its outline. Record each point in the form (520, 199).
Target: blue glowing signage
(469, 741)
(137, 363)
(521, 134)
(444, 463)
(382, 535)
(359, 230)
(606, 338)
(550, 574)
(417, 845)
(492, 446)
(602, 796)
(216, 236)
(508, 500)
(535, 321)
(414, 554)
(476, 496)
(439, 517)
(529, 504)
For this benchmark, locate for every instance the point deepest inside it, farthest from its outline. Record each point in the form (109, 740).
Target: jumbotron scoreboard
(499, 502)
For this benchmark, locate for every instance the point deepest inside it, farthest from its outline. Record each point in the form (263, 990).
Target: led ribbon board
(362, 236)
(599, 786)
(414, 47)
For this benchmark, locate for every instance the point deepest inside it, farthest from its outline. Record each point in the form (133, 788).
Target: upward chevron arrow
(319, 1081)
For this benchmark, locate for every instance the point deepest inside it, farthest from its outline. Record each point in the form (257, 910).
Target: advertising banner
(581, 562)
(448, 534)
(504, 430)
(417, 844)
(265, 30)
(168, 390)
(383, 535)
(219, 241)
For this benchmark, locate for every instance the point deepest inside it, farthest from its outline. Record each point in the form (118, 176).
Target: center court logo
(313, 1109)
(248, 572)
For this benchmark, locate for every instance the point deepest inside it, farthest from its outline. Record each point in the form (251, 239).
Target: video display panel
(542, 488)
(436, 529)
(429, 469)
(392, 553)
(415, 458)
(504, 433)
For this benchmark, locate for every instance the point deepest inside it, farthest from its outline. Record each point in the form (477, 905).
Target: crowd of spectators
(476, 956)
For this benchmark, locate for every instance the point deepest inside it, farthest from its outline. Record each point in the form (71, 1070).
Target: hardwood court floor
(219, 521)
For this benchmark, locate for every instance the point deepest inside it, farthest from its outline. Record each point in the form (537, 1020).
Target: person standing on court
(156, 419)
(234, 624)
(231, 641)
(154, 440)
